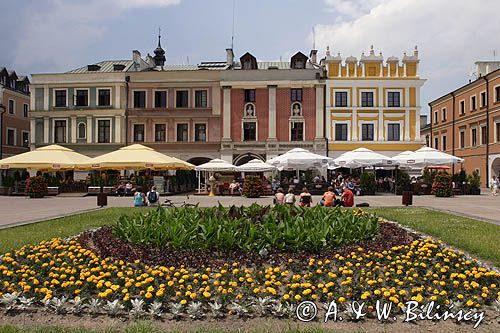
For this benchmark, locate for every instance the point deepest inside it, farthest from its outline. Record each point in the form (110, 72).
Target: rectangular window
(11, 106)
(462, 139)
(444, 142)
(60, 98)
(200, 98)
(160, 133)
(297, 131)
(182, 133)
(483, 99)
(104, 97)
(103, 131)
(82, 97)
(473, 103)
(393, 99)
(498, 132)
(462, 107)
(340, 132)
(367, 98)
(11, 137)
(139, 99)
(443, 114)
(474, 137)
(393, 132)
(138, 132)
(200, 132)
(249, 131)
(26, 139)
(436, 143)
(367, 132)
(160, 99)
(484, 136)
(60, 131)
(249, 95)
(181, 98)
(497, 94)
(435, 117)
(296, 94)
(25, 110)
(341, 99)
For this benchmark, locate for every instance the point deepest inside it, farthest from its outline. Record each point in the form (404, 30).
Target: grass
(16, 237)
(476, 237)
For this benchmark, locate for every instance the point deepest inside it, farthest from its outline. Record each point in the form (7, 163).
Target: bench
(52, 190)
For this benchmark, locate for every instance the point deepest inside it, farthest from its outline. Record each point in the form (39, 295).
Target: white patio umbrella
(215, 165)
(427, 156)
(255, 165)
(299, 159)
(362, 157)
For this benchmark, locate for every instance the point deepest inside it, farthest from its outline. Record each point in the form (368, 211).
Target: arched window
(82, 131)
(249, 111)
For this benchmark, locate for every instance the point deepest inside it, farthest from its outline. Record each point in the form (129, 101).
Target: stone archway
(244, 158)
(495, 167)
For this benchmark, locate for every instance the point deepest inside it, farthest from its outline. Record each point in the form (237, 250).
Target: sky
(47, 36)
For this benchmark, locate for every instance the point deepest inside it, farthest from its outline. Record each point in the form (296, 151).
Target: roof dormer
(248, 61)
(298, 61)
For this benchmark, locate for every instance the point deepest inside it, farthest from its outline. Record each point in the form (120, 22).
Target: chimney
(230, 56)
(312, 55)
(136, 56)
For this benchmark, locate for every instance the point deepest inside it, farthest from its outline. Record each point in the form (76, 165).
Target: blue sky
(56, 35)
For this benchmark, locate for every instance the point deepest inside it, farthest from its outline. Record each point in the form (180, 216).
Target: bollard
(407, 198)
(102, 199)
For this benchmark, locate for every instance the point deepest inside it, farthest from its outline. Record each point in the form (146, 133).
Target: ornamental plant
(474, 180)
(253, 187)
(441, 187)
(367, 183)
(36, 187)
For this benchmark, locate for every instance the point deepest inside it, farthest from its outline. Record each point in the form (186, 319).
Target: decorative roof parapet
(412, 58)
(331, 58)
(371, 57)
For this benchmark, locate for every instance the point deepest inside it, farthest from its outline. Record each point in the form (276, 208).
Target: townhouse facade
(466, 123)
(371, 104)
(15, 108)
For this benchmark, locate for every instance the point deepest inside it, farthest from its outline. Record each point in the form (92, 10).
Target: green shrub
(367, 183)
(442, 185)
(474, 180)
(403, 181)
(36, 187)
(253, 187)
(285, 228)
(8, 181)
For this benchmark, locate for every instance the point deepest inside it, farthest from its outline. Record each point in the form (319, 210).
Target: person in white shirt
(290, 198)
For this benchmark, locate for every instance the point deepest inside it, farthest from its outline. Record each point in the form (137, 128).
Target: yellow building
(371, 104)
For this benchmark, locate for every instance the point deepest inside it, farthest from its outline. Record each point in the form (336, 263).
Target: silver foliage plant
(195, 310)
(113, 307)
(9, 300)
(137, 310)
(155, 310)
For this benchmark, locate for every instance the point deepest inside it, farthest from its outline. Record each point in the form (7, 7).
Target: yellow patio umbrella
(48, 158)
(136, 157)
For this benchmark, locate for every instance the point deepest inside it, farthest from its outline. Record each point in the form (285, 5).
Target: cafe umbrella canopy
(300, 159)
(215, 165)
(362, 157)
(256, 165)
(427, 156)
(48, 158)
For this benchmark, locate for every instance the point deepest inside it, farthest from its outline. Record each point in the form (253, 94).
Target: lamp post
(2, 111)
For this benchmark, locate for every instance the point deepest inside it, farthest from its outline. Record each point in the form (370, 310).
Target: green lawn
(476, 237)
(13, 238)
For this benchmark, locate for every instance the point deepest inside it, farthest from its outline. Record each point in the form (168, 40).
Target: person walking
(494, 185)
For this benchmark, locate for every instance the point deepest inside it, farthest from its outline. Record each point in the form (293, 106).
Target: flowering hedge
(36, 187)
(252, 187)
(56, 271)
(441, 187)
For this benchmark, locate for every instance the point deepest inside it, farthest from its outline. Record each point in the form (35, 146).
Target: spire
(159, 52)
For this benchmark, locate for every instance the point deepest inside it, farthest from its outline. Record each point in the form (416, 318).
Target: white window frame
(194, 98)
(348, 122)
(22, 143)
(497, 96)
(110, 96)
(477, 132)
(54, 129)
(7, 129)
(470, 102)
(375, 97)
(443, 114)
(27, 110)
(154, 98)
(13, 106)
(88, 98)
(206, 129)
(386, 128)
(462, 130)
(348, 98)
(296, 120)
(436, 117)
(96, 126)
(78, 130)
(481, 125)
(189, 130)
(54, 97)
(460, 106)
(175, 99)
(250, 120)
(485, 99)
(443, 139)
(496, 121)
(436, 146)
(402, 102)
(145, 98)
(161, 123)
(375, 130)
(133, 132)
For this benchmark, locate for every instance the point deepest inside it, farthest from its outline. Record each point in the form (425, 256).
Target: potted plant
(403, 182)
(253, 187)
(7, 184)
(36, 187)
(367, 183)
(441, 187)
(474, 181)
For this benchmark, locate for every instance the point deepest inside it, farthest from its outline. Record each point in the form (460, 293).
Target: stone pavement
(21, 210)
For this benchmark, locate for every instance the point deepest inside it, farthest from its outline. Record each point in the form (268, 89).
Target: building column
(380, 114)
(407, 114)
(32, 131)
(117, 97)
(363, 69)
(226, 152)
(272, 112)
(118, 129)
(417, 114)
(46, 129)
(381, 74)
(320, 113)
(397, 69)
(73, 130)
(354, 124)
(89, 129)
(46, 97)
(404, 69)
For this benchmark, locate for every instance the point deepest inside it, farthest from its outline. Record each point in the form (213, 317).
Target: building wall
(16, 121)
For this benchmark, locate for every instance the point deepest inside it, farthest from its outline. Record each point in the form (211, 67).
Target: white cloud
(143, 3)
(450, 34)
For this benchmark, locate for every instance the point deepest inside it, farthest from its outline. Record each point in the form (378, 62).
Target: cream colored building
(373, 104)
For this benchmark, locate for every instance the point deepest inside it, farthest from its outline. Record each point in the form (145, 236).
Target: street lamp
(2, 111)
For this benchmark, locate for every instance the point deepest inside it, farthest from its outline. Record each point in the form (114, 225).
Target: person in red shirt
(347, 197)
(328, 199)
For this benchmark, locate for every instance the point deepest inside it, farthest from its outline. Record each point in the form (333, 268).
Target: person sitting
(139, 198)
(279, 197)
(120, 189)
(328, 199)
(347, 197)
(290, 197)
(233, 186)
(153, 197)
(316, 179)
(275, 185)
(305, 198)
(128, 188)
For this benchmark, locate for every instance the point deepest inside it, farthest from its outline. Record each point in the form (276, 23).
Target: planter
(5, 190)
(475, 191)
(36, 195)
